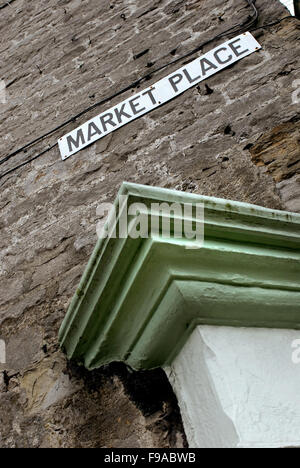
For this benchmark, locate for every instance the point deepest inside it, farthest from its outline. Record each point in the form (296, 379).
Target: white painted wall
(290, 5)
(238, 388)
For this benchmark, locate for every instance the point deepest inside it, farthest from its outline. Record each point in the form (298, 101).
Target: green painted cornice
(139, 300)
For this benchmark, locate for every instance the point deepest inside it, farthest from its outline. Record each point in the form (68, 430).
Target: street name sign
(158, 94)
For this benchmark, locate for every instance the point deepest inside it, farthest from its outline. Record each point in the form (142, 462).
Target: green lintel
(140, 299)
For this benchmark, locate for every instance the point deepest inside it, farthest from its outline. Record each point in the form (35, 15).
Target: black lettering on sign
(149, 92)
(206, 66)
(175, 80)
(235, 48)
(76, 143)
(121, 113)
(107, 119)
(221, 60)
(189, 78)
(93, 130)
(134, 106)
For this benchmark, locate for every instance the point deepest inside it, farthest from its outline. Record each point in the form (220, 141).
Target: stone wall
(235, 136)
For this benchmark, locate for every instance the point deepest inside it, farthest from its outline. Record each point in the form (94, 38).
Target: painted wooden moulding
(140, 299)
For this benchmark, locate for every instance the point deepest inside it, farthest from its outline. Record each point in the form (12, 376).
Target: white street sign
(161, 92)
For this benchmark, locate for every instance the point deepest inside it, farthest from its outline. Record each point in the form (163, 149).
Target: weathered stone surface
(58, 58)
(279, 151)
(54, 405)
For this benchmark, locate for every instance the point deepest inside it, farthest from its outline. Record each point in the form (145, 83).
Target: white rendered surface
(238, 388)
